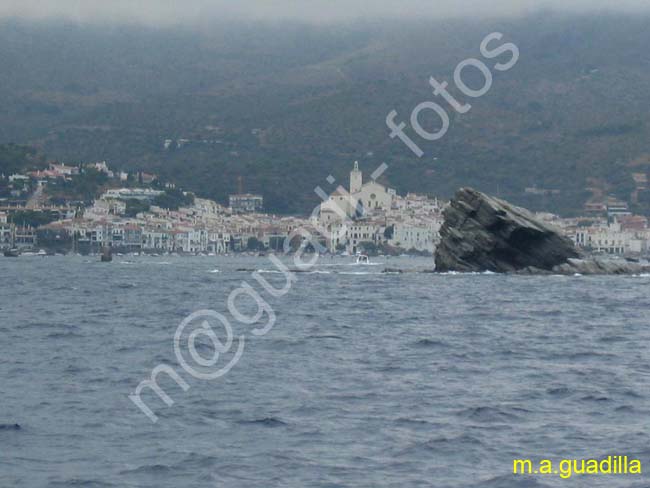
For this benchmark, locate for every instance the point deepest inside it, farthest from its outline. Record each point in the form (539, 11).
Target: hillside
(286, 105)
(15, 159)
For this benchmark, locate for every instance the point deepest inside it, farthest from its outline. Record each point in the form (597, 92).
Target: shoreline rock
(592, 266)
(481, 233)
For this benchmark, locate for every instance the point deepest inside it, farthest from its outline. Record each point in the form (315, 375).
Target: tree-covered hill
(285, 105)
(16, 158)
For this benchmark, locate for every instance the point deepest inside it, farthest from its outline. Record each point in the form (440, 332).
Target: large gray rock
(481, 233)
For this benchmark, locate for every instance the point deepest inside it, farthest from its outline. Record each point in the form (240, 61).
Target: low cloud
(187, 11)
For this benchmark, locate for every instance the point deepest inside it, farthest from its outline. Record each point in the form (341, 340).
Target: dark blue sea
(366, 379)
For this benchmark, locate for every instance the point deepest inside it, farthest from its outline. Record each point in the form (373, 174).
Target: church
(362, 199)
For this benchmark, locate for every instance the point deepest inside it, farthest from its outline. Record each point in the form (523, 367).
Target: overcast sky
(172, 11)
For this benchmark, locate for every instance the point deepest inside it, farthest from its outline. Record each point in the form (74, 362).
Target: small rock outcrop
(482, 233)
(600, 266)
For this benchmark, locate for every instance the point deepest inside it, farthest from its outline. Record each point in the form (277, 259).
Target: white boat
(363, 259)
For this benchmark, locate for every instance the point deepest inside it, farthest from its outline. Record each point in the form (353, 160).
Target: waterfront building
(6, 232)
(25, 237)
(611, 239)
(157, 240)
(418, 237)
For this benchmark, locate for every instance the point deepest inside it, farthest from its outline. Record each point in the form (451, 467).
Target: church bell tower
(356, 179)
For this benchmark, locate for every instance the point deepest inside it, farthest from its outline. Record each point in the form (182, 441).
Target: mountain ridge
(284, 106)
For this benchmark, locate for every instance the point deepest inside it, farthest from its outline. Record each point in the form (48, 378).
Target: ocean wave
(625, 409)
(491, 414)
(510, 481)
(358, 273)
(63, 335)
(198, 461)
(559, 391)
(150, 469)
(264, 422)
(126, 286)
(442, 444)
(327, 336)
(468, 273)
(595, 398)
(85, 483)
(430, 343)
(409, 421)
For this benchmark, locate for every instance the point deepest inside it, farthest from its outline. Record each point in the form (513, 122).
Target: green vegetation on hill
(284, 106)
(173, 199)
(134, 207)
(84, 187)
(33, 219)
(17, 158)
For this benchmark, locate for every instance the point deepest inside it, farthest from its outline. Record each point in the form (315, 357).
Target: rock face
(481, 233)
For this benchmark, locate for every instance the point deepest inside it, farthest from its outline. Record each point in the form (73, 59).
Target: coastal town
(137, 213)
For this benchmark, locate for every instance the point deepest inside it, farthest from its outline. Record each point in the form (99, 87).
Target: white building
(17, 177)
(64, 170)
(103, 207)
(414, 236)
(131, 194)
(102, 167)
(191, 240)
(157, 240)
(362, 199)
(218, 242)
(361, 232)
(6, 232)
(246, 203)
(611, 239)
(364, 214)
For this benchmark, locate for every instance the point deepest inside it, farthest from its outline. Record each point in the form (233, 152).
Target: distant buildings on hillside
(620, 234)
(142, 194)
(246, 203)
(367, 216)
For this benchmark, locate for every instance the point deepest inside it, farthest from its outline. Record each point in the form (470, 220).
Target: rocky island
(483, 233)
